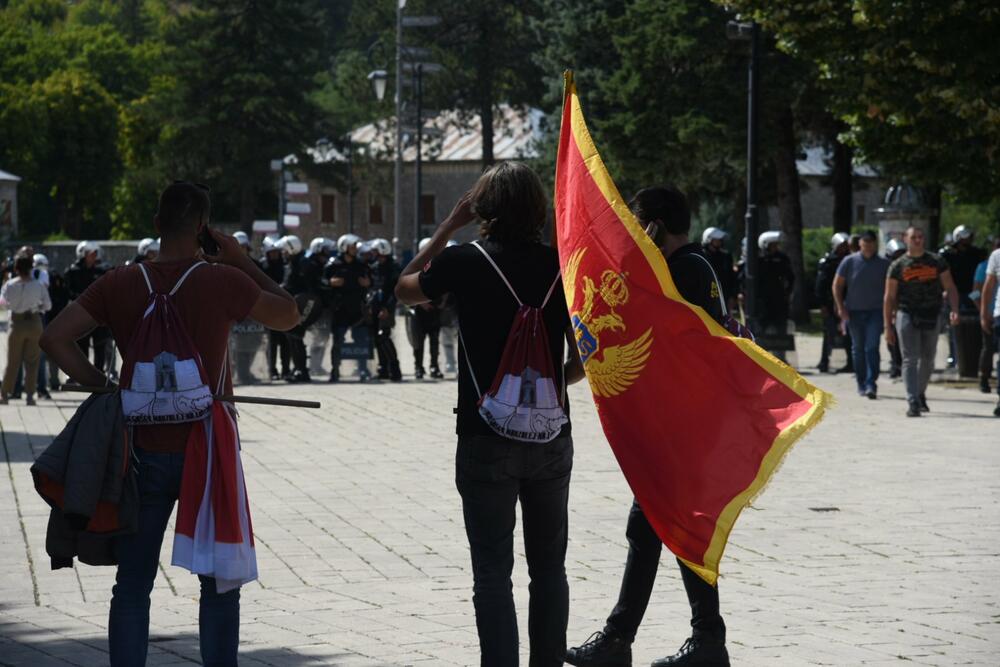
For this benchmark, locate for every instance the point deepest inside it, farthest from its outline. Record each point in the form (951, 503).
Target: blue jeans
(138, 557)
(866, 332)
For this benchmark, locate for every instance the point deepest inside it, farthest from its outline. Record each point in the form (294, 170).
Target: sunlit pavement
(877, 542)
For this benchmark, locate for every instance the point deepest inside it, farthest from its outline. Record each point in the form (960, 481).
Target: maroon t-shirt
(212, 298)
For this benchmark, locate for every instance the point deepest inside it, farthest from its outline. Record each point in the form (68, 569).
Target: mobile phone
(207, 243)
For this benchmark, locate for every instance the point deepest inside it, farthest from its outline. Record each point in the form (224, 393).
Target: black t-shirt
(486, 311)
(695, 279)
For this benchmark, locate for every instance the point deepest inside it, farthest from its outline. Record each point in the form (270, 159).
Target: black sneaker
(602, 649)
(436, 373)
(823, 367)
(419, 373)
(697, 651)
(914, 409)
(871, 393)
(923, 403)
(984, 385)
(300, 377)
(44, 394)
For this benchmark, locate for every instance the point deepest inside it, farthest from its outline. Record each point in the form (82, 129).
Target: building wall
(817, 203)
(445, 181)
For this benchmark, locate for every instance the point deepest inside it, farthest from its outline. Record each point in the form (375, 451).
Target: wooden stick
(257, 400)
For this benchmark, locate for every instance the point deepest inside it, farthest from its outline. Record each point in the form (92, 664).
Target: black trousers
(310, 309)
(385, 348)
(986, 355)
(277, 347)
(420, 330)
(492, 475)
(644, 548)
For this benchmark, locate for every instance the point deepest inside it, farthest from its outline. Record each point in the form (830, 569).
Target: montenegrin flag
(698, 419)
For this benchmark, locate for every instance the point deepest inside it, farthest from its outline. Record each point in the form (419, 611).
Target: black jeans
(644, 548)
(492, 474)
(277, 347)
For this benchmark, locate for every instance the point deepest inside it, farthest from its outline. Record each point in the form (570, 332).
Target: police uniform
(277, 343)
(304, 283)
(825, 273)
(348, 303)
(78, 278)
(382, 298)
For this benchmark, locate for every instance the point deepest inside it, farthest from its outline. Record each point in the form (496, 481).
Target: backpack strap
(145, 275)
(184, 277)
(722, 302)
(499, 272)
(468, 362)
(552, 288)
(149, 285)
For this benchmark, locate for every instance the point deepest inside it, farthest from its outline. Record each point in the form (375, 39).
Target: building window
(374, 212)
(427, 210)
(860, 214)
(328, 209)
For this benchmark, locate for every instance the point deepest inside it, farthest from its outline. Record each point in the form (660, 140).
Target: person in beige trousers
(27, 299)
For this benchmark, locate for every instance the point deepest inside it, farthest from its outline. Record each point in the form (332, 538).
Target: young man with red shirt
(230, 288)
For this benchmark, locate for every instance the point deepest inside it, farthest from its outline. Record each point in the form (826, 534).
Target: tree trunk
(790, 209)
(842, 183)
(484, 75)
(933, 195)
(486, 117)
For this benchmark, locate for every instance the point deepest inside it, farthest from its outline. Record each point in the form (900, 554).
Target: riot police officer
(775, 281)
(79, 276)
(825, 272)
(349, 279)
(382, 308)
(305, 283)
(273, 264)
(712, 240)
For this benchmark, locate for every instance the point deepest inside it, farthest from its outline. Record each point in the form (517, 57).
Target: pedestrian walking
(990, 319)
(665, 213)
(912, 305)
(858, 290)
(206, 300)
(27, 299)
(506, 288)
(989, 345)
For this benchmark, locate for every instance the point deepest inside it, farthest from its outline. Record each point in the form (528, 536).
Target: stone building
(451, 161)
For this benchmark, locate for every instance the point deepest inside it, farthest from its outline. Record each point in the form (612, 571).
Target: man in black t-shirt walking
(665, 214)
(492, 472)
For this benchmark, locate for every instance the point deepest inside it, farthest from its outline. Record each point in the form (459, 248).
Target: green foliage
(915, 83)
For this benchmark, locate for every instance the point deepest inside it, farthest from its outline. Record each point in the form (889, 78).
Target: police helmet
(40, 261)
(290, 244)
(148, 245)
(839, 239)
(894, 246)
(320, 245)
(382, 247)
(365, 248)
(767, 238)
(242, 238)
(711, 234)
(961, 233)
(348, 241)
(84, 248)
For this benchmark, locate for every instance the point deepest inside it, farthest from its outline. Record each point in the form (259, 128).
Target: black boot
(395, 374)
(605, 648)
(984, 384)
(419, 373)
(698, 652)
(913, 409)
(436, 373)
(923, 404)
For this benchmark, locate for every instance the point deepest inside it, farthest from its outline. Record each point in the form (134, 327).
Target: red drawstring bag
(163, 379)
(523, 403)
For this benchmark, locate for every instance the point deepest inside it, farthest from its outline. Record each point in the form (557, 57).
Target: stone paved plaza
(878, 542)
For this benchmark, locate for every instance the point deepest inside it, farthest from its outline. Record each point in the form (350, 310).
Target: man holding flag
(726, 411)
(666, 217)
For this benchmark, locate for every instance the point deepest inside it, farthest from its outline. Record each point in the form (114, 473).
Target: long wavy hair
(511, 202)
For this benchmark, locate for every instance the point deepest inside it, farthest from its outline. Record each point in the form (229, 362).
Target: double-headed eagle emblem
(619, 365)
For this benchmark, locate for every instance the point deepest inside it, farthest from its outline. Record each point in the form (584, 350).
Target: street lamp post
(279, 167)
(418, 189)
(397, 201)
(750, 32)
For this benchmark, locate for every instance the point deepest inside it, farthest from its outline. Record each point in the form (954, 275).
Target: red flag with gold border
(698, 419)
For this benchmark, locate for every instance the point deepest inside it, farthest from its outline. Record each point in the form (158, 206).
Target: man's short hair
(511, 202)
(868, 235)
(183, 206)
(665, 205)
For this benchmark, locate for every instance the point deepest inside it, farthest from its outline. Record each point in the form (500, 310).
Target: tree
(246, 74)
(915, 85)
